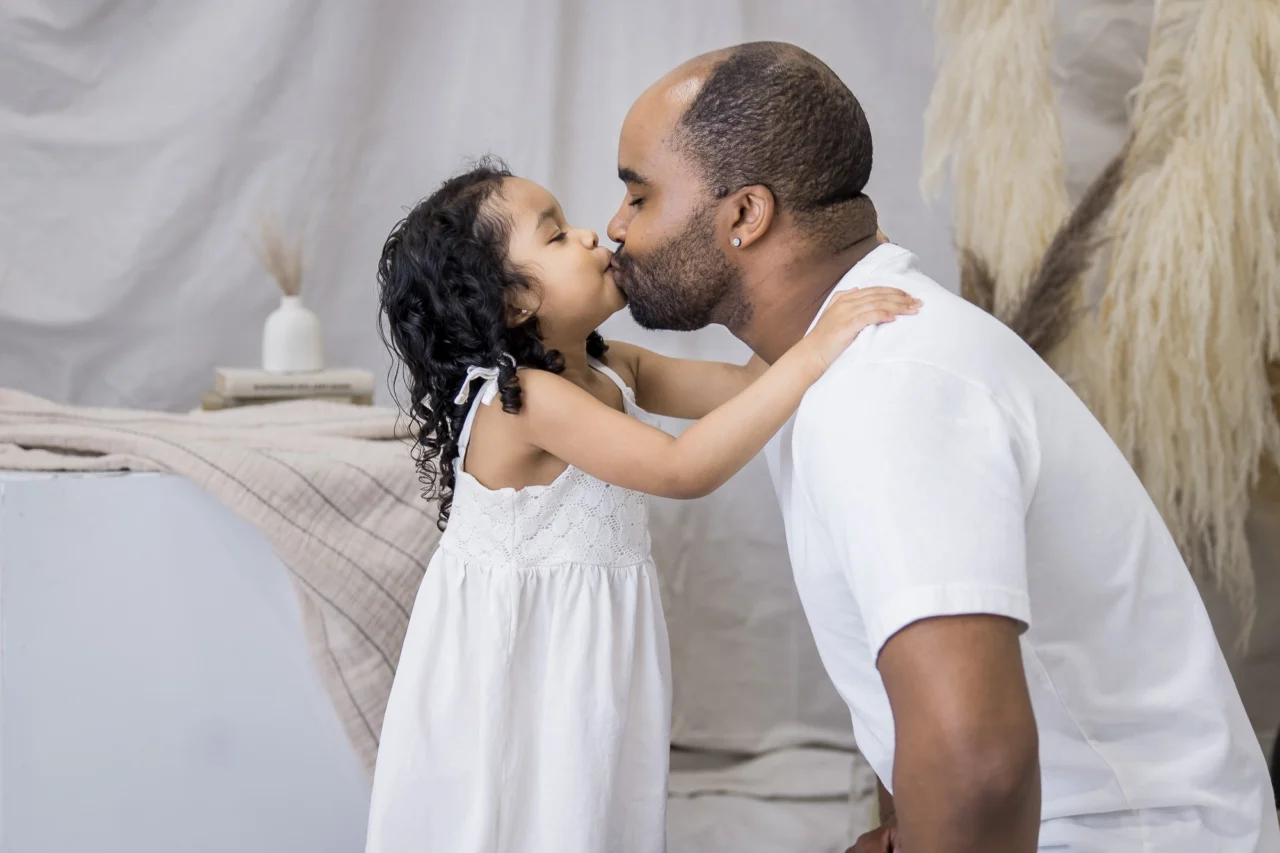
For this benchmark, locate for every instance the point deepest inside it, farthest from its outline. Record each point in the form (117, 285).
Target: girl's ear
(520, 309)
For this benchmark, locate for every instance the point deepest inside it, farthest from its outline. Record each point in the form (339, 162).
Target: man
(1023, 652)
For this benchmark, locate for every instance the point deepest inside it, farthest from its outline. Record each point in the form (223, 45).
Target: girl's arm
(683, 387)
(689, 388)
(569, 423)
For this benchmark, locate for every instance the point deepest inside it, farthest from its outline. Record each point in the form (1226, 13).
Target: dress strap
(626, 390)
(489, 390)
(483, 397)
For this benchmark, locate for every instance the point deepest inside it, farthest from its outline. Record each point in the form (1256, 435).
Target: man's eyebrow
(630, 176)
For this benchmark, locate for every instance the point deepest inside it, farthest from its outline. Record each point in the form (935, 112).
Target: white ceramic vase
(291, 341)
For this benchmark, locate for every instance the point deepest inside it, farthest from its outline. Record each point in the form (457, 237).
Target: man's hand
(883, 839)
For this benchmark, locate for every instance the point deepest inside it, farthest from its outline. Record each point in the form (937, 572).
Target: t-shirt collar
(857, 273)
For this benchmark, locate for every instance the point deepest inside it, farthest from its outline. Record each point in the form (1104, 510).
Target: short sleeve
(920, 479)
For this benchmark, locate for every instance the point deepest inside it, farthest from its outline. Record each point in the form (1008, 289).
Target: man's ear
(748, 214)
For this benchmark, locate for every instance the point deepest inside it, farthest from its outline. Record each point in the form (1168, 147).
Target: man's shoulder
(857, 394)
(885, 374)
(888, 395)
(950, 343)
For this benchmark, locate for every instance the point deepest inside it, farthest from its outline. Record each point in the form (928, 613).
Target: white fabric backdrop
(142, 142)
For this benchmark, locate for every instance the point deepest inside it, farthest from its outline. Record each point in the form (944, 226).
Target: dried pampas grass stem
(1191, 312)
(993, 117)
(280, 256)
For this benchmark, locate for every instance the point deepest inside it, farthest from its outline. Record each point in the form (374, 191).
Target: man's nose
(617, 229)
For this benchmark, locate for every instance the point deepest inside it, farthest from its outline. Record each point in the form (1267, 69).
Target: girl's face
(575, 290)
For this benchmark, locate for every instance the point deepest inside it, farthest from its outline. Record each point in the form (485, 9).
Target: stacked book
(243, 386)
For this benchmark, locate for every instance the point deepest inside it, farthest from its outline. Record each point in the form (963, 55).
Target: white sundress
(531, 709)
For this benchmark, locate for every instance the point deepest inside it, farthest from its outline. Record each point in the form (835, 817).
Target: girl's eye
(559, 238)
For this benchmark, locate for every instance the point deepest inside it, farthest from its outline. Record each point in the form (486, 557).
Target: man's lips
(614, 270)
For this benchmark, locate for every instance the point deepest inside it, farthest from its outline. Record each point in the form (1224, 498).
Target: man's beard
(684, 284)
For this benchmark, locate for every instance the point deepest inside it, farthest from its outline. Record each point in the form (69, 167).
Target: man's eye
(636, 202)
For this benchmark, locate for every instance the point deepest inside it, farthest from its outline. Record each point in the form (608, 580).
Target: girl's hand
(883, 839)
(851, 312)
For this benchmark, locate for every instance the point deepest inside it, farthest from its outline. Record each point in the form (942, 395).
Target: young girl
(531, 706)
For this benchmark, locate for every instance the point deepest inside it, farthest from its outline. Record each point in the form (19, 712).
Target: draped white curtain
(141, 143)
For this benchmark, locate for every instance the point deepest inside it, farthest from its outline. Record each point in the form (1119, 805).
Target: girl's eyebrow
(549, 213)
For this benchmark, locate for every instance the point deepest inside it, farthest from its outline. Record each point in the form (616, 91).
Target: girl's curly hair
(443, 281)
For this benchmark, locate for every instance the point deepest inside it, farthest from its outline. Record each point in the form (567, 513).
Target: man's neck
(785, 302)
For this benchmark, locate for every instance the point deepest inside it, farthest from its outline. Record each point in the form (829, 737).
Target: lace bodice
(575, 519)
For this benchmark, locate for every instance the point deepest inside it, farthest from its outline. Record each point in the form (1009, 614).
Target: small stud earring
(736, 241)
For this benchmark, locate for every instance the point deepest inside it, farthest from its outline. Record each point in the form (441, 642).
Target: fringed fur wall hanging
(993, 115)
(1182, 228)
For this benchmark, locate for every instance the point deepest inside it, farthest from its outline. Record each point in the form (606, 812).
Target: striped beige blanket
(330, 486)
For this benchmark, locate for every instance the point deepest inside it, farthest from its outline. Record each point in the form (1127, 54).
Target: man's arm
(966, 773)
(923, 478)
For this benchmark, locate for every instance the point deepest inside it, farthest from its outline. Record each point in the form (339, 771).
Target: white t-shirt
(941, 468)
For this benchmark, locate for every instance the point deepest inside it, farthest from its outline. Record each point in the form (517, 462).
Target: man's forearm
(945, 806)
(966, 763)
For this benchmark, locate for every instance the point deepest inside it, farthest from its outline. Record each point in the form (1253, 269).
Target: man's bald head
(658, 109)
(774, 114)
(718, 145)
(679, 86)
(765, 113)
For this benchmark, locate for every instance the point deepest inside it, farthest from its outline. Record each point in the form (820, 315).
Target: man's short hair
(774, 114)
